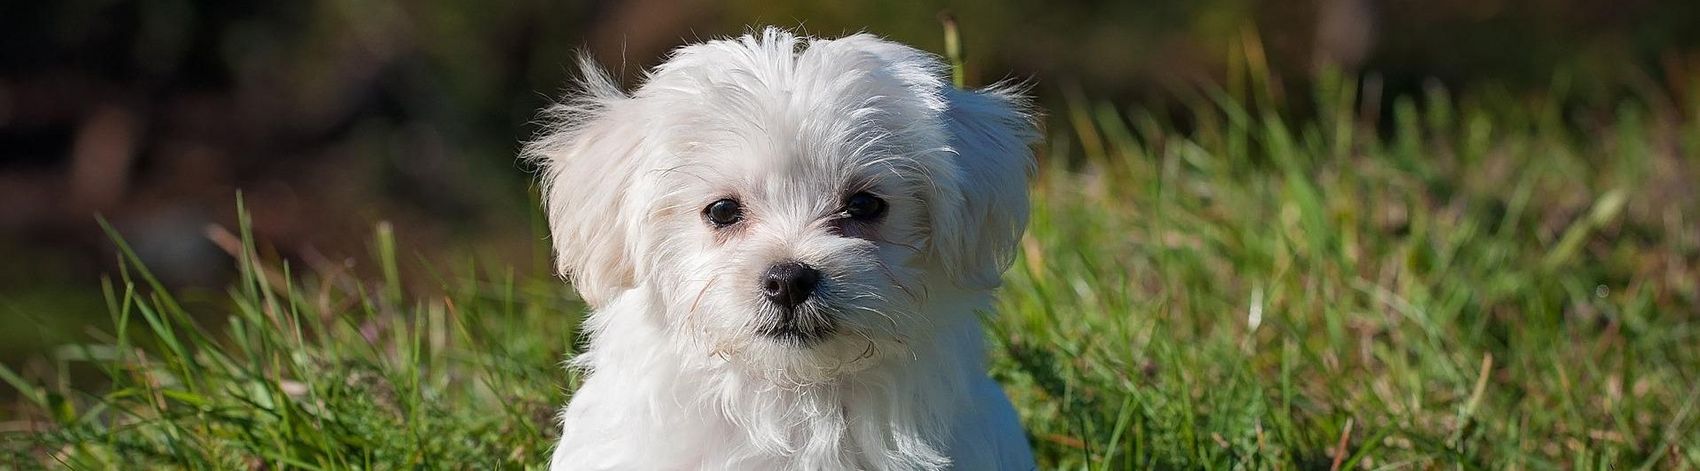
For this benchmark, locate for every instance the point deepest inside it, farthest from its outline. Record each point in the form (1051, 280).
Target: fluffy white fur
(678, 374)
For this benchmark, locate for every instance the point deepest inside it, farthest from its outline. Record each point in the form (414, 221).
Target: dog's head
(793, 204)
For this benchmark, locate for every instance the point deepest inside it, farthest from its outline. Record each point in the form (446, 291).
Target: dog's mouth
(801, 327)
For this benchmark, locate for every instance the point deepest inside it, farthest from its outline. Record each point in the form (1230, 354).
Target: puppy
(786, 243)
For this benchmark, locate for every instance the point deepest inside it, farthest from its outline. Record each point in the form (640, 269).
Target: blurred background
(331, 116)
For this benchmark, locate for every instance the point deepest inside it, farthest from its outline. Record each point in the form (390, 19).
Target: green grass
(1480, 290)
(1485, 284)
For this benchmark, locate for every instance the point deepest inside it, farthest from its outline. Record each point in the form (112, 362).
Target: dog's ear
(587, 155)
(980, 212)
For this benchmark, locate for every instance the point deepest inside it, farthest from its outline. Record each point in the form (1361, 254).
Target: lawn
(1479, 281)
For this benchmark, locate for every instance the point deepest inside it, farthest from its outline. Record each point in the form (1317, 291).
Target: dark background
(329, 116)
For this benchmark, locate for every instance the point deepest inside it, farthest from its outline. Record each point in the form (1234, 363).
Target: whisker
(698, 299)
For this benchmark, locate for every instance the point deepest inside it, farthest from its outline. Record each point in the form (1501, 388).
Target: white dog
(786, 242)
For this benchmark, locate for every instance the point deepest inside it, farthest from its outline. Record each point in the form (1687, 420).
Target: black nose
(789, 283)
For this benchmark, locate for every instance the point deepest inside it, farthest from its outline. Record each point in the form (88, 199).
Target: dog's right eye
(723, 213)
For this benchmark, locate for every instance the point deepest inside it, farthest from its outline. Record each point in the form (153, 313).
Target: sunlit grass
(1473, 291)
(311, 372)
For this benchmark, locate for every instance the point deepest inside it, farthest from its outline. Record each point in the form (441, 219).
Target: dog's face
(794, 206)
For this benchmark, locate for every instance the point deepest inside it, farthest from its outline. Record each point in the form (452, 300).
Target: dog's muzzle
(789, 285)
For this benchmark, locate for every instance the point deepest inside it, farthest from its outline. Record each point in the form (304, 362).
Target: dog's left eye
(724, 212)
(864, 206)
